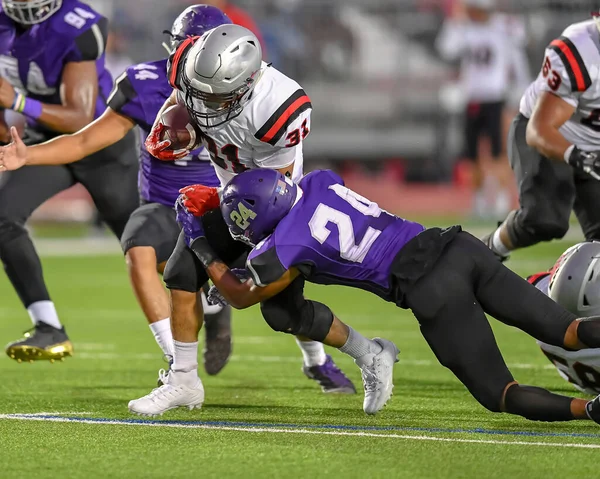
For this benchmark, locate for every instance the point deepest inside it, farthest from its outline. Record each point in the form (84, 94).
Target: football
(179, 128)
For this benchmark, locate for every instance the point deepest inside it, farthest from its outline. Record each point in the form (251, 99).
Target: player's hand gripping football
(159, 145)
(587, 161)
(198, 199)
(190, 224)
(14, 155)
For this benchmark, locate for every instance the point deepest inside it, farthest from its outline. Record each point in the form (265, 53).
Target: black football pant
(110, 176)
(549, 191)
(450, 303)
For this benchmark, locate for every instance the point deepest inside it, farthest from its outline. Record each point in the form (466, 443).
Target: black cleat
(41, 343)
(592, 409)
(488, 241)
(217, 347)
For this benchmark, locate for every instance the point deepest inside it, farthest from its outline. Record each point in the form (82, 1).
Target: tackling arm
(242, 295)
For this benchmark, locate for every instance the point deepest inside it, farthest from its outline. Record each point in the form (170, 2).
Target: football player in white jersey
(554, 146)
(574, 283)
(489, 53)
(250, 116)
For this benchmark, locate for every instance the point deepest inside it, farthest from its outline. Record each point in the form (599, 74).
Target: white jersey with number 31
(581, 368)
(269, 131)
(571, 70)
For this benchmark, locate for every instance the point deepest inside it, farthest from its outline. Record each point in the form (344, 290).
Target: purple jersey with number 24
(333, 236)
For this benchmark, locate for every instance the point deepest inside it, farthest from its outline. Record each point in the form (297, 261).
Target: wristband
(203, 251)
(27, 106)
(568, 152)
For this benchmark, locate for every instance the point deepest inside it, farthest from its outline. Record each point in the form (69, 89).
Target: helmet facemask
(25, 12)
(210, 110)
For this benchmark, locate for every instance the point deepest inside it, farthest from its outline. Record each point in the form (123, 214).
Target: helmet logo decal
(242, 216)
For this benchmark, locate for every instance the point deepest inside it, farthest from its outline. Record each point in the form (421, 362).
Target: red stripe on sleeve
(284, 117)
(572, 63)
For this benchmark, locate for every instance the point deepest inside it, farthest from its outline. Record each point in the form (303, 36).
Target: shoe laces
(369, 376)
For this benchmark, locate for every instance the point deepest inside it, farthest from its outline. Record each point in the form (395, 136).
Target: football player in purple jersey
(322, 232)
(52, 71)
(152, 232)
(150, 235)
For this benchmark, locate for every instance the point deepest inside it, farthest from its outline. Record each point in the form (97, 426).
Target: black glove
(586, 161)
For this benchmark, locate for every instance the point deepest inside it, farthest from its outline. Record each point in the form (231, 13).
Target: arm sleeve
(555, 78)
(122, 95)
(90, 44)
(289, 124)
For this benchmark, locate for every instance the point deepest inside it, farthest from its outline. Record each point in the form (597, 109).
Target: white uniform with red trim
(571, 70)
(269, 131)
(581, 368)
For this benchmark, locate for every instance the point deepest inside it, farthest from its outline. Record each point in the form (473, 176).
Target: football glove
(159, 147)
(198, 199)
(586, 161)
(214, 296)
(191, 226)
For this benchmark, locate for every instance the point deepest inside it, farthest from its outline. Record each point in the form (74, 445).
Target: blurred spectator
(480, 39)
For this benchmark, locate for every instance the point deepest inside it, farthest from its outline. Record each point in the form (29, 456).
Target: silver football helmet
(219, 74)
(575, 279)
(30, 12)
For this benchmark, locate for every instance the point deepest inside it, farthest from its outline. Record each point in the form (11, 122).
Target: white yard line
(92, 354)
(406, 437)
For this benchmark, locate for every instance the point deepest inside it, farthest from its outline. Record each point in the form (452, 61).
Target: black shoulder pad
(92, 43)
(266, 267)
(122, 93)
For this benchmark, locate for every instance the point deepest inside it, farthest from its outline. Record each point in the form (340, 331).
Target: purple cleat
(330, 378)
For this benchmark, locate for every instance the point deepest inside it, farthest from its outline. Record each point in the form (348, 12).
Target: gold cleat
(42, 343)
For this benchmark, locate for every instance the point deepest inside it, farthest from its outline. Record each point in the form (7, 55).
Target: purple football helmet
(254, 202)
(193, 22)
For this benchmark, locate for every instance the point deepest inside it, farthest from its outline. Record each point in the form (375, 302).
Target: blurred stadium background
(388, 110)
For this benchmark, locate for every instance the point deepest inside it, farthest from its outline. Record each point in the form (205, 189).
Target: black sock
(537, 404)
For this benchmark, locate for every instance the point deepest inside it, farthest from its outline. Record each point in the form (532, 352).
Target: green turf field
(262, 417)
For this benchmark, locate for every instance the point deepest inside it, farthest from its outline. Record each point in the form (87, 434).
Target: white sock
(498, 244)
(357, 345)
(313, 352)
(162, 333)
(44, 311)
(185, 356)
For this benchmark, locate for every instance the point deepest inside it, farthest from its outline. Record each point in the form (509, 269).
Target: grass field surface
(262, 417)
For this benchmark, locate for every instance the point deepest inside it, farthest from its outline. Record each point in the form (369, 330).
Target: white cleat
(173, 393)
(377, 375)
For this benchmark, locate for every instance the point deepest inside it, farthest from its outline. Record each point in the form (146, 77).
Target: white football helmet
(30, 12)
(575, 279)
(219, 74)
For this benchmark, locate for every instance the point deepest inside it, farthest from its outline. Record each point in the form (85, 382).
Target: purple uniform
(32, 59)
(334, 236)
(139, 94)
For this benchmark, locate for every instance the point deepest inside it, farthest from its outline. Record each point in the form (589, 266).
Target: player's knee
(311, 319)
(180, 274)
(526, 229)
(141, 259)
(10, 231)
